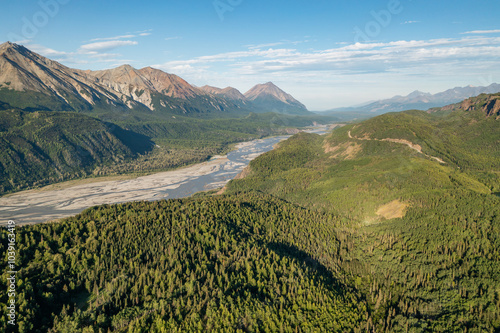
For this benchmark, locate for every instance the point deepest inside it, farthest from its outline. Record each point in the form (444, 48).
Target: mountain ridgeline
(421, 100)
(386, 225)
(30, 81)
(269, 96)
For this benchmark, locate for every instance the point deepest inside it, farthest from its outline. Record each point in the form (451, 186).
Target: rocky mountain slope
(269, 96)
(28, 80)
(32, 82)
(52, 86)
(261, 98)
(487, 104)
(228, 92)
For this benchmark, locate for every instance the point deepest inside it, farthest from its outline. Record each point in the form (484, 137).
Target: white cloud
(102, 56)
(93, 51)
(97, 46)
(259, 46)
(480, 32)
(228, 57)
(113, 38)
(354, 58)
(410, 22)
(21, 41)
(372, 66)
(283, 42)
(108, 45)
(45, 51)
(127, 36)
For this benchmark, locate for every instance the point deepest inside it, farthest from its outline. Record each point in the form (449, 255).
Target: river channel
(51, 203)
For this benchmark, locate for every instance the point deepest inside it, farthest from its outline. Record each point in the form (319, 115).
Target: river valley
(52, 203)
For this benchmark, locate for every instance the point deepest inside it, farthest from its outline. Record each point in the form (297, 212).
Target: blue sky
(325, 53)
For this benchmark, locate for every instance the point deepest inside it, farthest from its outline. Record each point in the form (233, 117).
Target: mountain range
(265, 96)
(421, 100)
(30, 81)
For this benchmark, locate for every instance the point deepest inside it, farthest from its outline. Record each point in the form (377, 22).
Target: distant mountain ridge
(269, 95)
(30, 81)
(423, 101)
(231, 94)
(228, 92)
(265, 96)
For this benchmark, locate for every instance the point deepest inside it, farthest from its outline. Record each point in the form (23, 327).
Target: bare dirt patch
(245, 172)
(392, 210)
(330, 149)
(352, 151)
(413, 146)
(406, 142)
(346, 150)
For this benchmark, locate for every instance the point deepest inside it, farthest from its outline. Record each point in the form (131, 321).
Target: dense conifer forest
(247, 262)
(387, 225)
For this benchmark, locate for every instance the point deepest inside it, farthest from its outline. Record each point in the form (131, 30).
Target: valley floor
(36, 206)
(70, 198)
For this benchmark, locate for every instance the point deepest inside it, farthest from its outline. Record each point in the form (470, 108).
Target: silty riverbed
(41, 205)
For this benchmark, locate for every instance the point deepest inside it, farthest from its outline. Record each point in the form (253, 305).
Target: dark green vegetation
(363, 171)
(436, 267)
(247, 263)
(354, 231)
(42, 147)
(182, 140)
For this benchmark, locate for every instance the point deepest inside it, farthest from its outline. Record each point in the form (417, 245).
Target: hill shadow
(324, 275)
(138, 143)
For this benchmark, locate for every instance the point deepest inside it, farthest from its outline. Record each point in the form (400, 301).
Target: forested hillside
(388, 225)
(418, 193)
(392, 156)
(241, 263)
(168, 122)
(44, 147)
